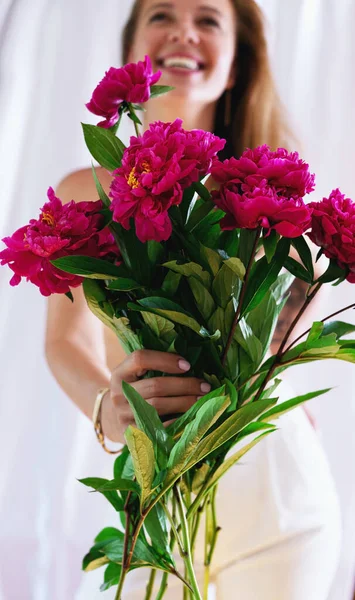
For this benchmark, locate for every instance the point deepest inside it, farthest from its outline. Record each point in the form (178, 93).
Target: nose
(184, 33)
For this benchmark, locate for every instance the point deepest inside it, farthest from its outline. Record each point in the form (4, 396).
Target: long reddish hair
(257, 116)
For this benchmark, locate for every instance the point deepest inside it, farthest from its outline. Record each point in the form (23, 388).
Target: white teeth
(182, 62)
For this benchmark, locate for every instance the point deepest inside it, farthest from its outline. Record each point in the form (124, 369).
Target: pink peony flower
(262, 207)
(61, 230)
(333, 229)
(284, 171)
(155, 170)
(130, 83)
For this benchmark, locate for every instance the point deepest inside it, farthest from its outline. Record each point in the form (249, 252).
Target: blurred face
(193, 43)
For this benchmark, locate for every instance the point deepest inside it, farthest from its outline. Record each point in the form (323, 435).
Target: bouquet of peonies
(170, 266)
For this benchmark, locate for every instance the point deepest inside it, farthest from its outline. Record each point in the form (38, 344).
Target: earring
(227, 107)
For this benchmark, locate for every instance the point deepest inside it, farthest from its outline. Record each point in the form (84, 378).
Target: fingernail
(205, 387)
(184, 365)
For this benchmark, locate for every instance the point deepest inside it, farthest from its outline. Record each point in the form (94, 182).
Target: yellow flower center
(146, 167)
(48, 218)
(132, 179)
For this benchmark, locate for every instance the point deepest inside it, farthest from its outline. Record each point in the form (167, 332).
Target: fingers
(141, 361)
(157, 387)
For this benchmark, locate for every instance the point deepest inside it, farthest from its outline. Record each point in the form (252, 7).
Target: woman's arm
(74, 344)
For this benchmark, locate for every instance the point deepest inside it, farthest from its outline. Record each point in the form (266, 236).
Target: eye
(208, 22)
(158, 17)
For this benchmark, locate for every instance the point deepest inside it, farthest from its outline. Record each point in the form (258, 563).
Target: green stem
(195, 529)
(241, 296)
(186, 542)
(322, 321)
(120, 585)
(125, 568)
(163, 586)
(150, 585)
(173, 528)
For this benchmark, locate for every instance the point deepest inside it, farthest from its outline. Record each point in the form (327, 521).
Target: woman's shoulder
(80, 185)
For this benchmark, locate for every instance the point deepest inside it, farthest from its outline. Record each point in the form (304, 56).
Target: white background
(52, 54)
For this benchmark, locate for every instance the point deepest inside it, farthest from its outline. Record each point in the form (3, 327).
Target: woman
(278, 511)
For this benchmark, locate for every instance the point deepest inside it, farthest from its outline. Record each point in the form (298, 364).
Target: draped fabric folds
(51, 56)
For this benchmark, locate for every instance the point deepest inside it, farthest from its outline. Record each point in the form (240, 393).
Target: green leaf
(86, 266)
(180, 424)
(339, 328)
(332, 273)
(270, 244)
(284, 407)
(70, 296)
(132, 115)
(198, 212)
(120, 463)
(96, 483)
(100, 190)
(143, 555)
(315, 333)
(94, 296)
(229, 428)
(202, 191)
(104, 146)
(134, 253)
(249, 342)
(94, 560)
(225, 285)
(148, 421)
(108, 533)
(208, 230)
(158, 325)
(128, 339)
(213, 258)
(156, 526)
(190, 269)
(297, 270)
(119, 484)
(159, 90)
(142, 452)
(200, 477)
(203, 298)
(304, 253)
(176, 316)
(123, 284)
(264, 275)
(111, 577)
(171, 283)
(236, 265)
(183, 450)
(155, 252)
(246, 243)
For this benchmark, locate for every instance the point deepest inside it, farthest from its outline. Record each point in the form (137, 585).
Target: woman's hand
(168, 395)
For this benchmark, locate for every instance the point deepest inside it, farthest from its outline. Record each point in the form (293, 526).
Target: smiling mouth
(180, 62)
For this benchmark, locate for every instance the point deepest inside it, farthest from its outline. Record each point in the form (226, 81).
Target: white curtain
(51, 56)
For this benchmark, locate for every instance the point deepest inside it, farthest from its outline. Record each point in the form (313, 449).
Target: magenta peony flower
(130, 83)
(284, 171)
(333, 229)
(264, 188)
(262, 207)
(61, 230)
(155, 170)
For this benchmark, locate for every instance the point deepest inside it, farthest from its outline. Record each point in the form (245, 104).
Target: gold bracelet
(96, 419)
